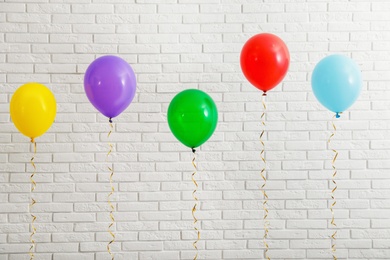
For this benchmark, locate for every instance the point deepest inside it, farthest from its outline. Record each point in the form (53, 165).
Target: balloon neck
(193, 150)
(264, 93)
(337, 115)
(110, 120)
(32, 140)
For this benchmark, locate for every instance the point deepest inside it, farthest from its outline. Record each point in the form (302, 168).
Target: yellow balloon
(33, 109)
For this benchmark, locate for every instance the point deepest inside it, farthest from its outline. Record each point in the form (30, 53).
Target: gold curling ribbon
(112, 208)
(33, 201)
(333, 223)
(194, 244)
(264, 177)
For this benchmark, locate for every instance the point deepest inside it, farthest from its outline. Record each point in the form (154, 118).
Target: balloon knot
(32, 139)
(337, 115)
(264, 93)
(110, 120)
(193, 150)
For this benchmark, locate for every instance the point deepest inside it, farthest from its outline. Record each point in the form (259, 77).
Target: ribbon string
(33, 201)
(112, 208)
(264, 177)
(333, 223)
(194, 244)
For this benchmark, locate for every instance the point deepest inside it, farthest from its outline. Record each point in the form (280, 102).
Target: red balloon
(264, 61)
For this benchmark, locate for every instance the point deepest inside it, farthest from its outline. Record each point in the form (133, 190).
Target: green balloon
(192, 117)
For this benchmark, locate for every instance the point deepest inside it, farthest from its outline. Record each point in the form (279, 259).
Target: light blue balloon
(337, 82)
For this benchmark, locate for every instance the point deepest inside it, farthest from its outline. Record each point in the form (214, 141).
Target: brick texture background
(174, 45)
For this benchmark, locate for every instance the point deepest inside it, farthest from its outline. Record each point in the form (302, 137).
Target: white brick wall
(179, 44)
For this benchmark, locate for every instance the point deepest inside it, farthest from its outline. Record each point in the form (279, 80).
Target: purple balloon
(110, 85)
